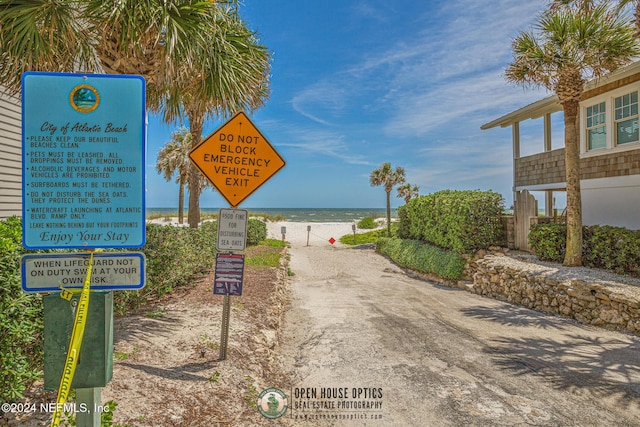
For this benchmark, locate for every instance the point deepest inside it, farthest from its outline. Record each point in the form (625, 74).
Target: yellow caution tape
(74, 345)
(67, 294)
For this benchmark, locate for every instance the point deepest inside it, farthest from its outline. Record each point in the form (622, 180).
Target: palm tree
(636, 12)
(408, 191)
(198, 58)
(573, 44)
(127, 36)
(229, 72)
(174, 157)
(588, 4)
(389, 178)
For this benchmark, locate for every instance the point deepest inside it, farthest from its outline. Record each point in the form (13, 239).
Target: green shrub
(462, 221)
(615, 249)
(256, 231)
(422, 257)
(548, 241)
(174, 255)
(367, 223)
(21, 338)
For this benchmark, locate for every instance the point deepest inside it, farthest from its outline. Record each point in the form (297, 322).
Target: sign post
(83, 187)
(237, 159)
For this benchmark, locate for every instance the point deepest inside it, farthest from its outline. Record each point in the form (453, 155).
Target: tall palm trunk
(389, 213)
(573, 254)
(181, 202)
(195, 188)
(636, 18)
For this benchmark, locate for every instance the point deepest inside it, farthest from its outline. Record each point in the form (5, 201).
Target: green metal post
(88, 407)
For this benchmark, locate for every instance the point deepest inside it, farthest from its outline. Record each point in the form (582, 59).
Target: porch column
(548, 194)
(515, 141)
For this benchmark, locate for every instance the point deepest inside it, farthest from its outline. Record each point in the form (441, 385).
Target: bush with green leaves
(173, 255)
(548, 241)
(21, 329)
(422, 257)
(367, 223)
(256, 231)
(610, 248)
(459, 220)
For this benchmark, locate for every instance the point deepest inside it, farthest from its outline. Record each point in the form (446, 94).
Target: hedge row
(256, 231)
(21, 328)
(462, 221)
(419, 256)
(615, 249)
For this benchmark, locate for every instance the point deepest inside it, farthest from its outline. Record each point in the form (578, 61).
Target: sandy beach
(312, 233)
(297, 233)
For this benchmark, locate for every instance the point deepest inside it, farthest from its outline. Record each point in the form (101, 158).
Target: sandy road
(441, 357)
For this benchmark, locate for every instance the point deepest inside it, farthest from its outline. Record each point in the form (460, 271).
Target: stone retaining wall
(591, 297)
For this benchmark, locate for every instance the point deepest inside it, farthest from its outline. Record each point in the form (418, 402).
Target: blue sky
(358, 83)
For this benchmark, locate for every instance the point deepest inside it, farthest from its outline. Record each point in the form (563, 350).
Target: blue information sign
(228, 274)
(83, 164)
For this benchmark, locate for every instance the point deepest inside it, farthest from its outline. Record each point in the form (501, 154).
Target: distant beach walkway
(320, 233)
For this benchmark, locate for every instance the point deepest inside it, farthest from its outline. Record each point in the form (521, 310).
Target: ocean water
(295, 214)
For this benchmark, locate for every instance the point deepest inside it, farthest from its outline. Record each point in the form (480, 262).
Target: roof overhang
(551, 104)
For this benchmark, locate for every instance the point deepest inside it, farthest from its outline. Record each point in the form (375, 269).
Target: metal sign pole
(224, 335)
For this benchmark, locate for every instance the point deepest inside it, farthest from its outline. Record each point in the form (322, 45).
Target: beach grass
(368, 237)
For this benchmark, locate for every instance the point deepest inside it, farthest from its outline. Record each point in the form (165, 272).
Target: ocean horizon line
(252, 209)
(295, 214)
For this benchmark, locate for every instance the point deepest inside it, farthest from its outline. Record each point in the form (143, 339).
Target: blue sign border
(89, 105)
(56, 288)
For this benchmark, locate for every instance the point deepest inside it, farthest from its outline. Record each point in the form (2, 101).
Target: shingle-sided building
(609, 151)
(10, 155)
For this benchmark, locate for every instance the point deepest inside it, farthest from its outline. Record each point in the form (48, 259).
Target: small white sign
(232, 229)
(110, 271)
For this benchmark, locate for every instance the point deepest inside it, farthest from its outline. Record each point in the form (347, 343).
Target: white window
(596, 126)
(626, 118)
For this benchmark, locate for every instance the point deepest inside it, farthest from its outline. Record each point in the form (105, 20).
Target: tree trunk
(181, 203)
(573, 255)
(388, 213)
(193, 216)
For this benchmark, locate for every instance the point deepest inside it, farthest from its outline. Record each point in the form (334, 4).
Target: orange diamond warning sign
(237, 159)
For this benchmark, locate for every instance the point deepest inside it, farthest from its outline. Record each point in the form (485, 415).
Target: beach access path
(361, 333)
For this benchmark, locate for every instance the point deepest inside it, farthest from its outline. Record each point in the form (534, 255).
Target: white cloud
(431, 80)
(325, 97)
(435, 90)
(325, 143)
